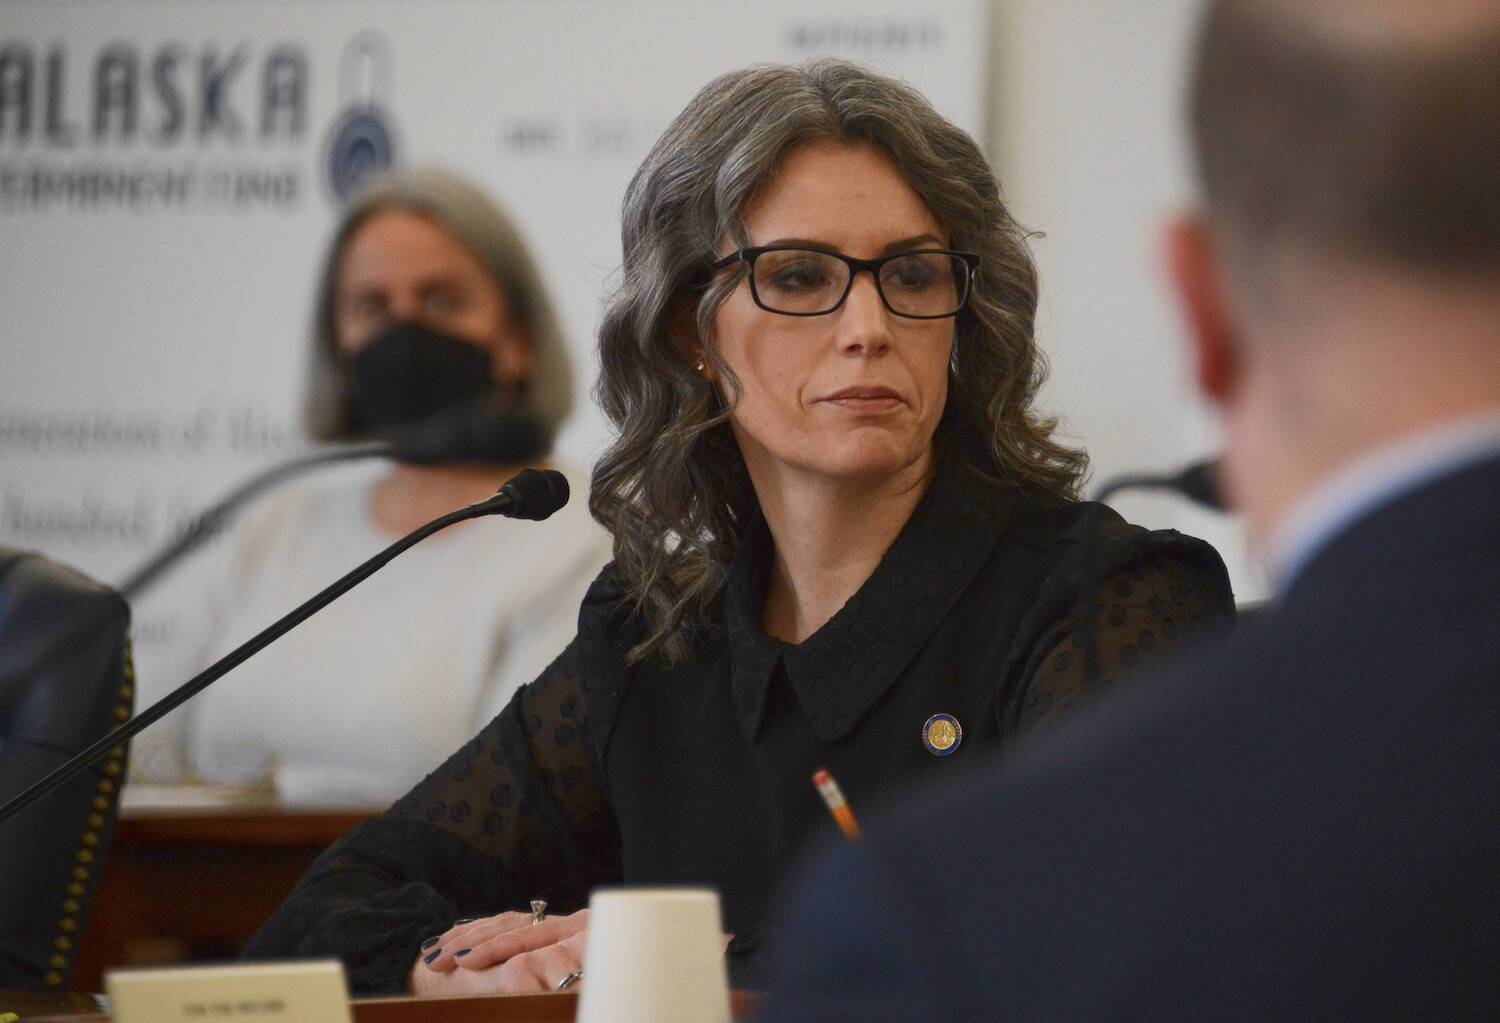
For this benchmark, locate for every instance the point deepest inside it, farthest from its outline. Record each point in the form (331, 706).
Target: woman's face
(855, 393)
(402, 267)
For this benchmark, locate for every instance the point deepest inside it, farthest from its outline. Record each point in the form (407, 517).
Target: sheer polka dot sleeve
(518, 813)
(1139, 610)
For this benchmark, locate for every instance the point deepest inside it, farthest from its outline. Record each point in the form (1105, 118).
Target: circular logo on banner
(360, 144)
(362, 141)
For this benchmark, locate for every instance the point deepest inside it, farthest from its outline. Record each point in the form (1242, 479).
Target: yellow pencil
(842, 815)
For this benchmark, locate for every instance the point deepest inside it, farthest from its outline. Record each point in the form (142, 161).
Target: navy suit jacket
(1300, 820)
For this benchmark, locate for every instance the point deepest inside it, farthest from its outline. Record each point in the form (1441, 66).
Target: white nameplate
(306, 992)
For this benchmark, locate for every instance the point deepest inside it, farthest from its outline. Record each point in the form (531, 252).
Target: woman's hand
(504, 954)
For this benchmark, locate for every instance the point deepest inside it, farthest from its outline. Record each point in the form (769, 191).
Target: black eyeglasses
(923, 284)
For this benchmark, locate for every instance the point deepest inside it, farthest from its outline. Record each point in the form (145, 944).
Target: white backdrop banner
(169, 173)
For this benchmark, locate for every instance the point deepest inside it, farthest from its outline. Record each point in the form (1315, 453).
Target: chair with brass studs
(65, 680)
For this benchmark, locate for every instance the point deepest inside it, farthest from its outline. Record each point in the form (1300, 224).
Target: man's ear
(1197, 273)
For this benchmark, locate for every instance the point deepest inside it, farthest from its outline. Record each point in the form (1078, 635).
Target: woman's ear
(689, 343)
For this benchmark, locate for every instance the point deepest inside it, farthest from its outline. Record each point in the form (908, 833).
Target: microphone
(213, 519)
(531, 494)
(1197, 482)
(467, 433)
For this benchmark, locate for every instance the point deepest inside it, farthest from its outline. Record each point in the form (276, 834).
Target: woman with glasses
(843, 539)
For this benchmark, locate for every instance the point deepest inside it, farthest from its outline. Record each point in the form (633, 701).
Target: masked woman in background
(843, 538)
(429, 307)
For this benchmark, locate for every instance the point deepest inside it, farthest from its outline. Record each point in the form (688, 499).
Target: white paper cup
(654, 955)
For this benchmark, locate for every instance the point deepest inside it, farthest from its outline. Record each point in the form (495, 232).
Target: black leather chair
(65, 680)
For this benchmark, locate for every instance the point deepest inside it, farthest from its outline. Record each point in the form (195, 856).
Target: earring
(698, 366)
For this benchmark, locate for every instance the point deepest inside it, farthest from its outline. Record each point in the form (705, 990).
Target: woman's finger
(470, 931)
(440, 954)
(506, 945)
(459, 982)
(458, 952)
(541, 970)
(570, 955)
(436, 951)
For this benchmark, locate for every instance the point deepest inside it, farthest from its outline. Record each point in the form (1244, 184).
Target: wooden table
(551, 1008)
(186, 885)
(193, 885)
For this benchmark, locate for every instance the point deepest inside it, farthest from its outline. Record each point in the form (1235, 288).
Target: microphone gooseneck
(1198, 483)
(462, 434)
(531, 494)
(213, 519)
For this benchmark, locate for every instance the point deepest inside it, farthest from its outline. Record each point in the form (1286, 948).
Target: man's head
(1342, 280)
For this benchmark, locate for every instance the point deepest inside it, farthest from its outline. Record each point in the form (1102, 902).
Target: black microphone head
(1199, 483)
(469, 432)
(504, 438)
(535, 493)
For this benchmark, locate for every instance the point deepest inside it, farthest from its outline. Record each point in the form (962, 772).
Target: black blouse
(1000, 609)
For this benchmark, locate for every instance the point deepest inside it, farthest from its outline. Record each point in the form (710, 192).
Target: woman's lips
(870, 400)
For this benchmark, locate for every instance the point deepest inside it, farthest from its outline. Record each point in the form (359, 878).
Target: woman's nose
(864, 325)
(404, 306)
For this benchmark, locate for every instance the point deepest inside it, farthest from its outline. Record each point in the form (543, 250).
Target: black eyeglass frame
(748, 256)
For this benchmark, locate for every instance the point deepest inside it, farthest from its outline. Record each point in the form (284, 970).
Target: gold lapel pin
(941, 734)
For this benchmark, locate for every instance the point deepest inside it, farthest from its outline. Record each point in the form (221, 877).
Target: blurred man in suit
(1304, 820)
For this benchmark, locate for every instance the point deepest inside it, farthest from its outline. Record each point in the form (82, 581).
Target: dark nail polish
(431, 941)
(465, 920)
(462, 952)
(432, 955)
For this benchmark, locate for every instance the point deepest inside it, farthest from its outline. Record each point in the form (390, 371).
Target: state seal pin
(941, 734)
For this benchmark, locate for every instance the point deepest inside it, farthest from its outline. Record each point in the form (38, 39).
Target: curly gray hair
(673, 488)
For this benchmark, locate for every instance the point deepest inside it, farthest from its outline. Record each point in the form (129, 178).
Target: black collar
(840, 671)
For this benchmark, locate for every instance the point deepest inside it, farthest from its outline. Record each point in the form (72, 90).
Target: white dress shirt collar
(1372, 481)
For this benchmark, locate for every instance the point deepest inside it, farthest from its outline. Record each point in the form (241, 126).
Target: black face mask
(409, 372)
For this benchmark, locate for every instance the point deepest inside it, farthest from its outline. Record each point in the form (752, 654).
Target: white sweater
(360, 702)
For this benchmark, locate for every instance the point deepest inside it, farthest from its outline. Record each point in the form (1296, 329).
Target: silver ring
(570, 979)
(538, 910)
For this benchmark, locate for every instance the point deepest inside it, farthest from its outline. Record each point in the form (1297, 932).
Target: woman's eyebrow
(357, 291)
(441, 279)
(912, 243)
(895, 246)
(799, 243)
